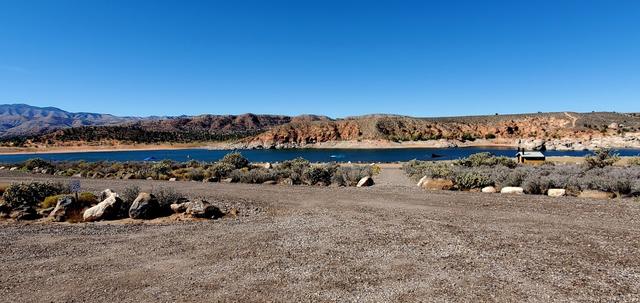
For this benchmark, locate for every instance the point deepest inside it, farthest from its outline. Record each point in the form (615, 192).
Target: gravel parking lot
(389, 242)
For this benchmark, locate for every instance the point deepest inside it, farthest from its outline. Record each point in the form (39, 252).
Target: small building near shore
(532, 157)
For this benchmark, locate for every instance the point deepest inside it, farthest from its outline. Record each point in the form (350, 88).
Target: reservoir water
(273, 155)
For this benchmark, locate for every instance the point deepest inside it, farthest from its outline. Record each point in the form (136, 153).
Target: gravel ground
(389, 242)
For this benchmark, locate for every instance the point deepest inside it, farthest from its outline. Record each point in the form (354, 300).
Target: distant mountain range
(23, 119)
(24, 125)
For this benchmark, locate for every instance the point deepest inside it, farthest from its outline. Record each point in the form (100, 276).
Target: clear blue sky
(339, 58)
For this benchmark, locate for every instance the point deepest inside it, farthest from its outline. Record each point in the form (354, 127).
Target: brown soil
(389, 242)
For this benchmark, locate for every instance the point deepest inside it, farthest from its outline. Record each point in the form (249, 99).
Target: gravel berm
(308, 244)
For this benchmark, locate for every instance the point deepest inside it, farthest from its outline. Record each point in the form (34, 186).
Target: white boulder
(556, 192)
(512, 190)
(489, 189)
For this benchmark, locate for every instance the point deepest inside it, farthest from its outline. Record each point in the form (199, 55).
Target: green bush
(318, 175)
(50, 201)
(472, 179)
(601, 158)
(87, 198)
(130, 193)
(489, 136)
(418, 169)
(236, 159)
(31, 194)
(36, 162)
(221, 169)
(485, 159)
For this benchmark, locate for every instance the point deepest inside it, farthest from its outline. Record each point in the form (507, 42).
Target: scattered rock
(437, 184)
(128, 176)
(233, 212)
(45, 211)
(67, 209)
(556, 192)
(145, 207)
(512, 190)
(106, 194)
(13, 168)
(24, 213)
(180, 207)
(489, 189)
(149, 178)
(172, 179)
(227, 180)
(2, 167)
(287, 181)
(422, 181)
(105, 210)
(203, 209)
(269, 182)
(596, 194)
(365, 181)
(267, 165)
(78, 175)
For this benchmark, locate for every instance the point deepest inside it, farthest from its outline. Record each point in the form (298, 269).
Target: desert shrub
(350, 175)
(418, 169)
(167, 196)
(536, 184)
(490, 136)
(236, 159)
(50, 201)
(320, 174)
(87, 198)
(472, 179)
(258, 175)
(634, 161)
(220, 169)
(468, 137)
(297, 165)
(31, 194)
(161, 168)
(130, 193)
(601, 158)
(3, 187)
(36, 162)
(515, 177)
(375, 169)
(194, 164)
(485, 159)
(196, 174)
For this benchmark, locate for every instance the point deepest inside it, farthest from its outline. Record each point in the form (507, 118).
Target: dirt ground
(389, 242)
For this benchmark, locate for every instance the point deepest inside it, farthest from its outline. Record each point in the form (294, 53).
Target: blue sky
(338, 58)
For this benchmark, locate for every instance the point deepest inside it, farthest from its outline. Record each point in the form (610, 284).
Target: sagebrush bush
(257, 175)
(472, 179)
(236, 159)
(36, 163)
(601, 158)
(220, 169)
(50, 201)
(634, 161)
(485, 159)
(167, 196)
(130, 193)
(320, 174)
(350, 175)
(31, 194)
(418, 169)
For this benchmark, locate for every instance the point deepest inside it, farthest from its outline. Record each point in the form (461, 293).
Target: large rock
(437, 184)
(109, 209)
(365, 181)
(180, 207)
(287, 181)
(596, 194)
(556, 192)
(145, 207)
(106, 194)
(203, 209)
(512, 190)
(67, 209)
(489, 189)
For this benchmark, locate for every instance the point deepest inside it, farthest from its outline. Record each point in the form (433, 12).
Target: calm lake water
(314, 155)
